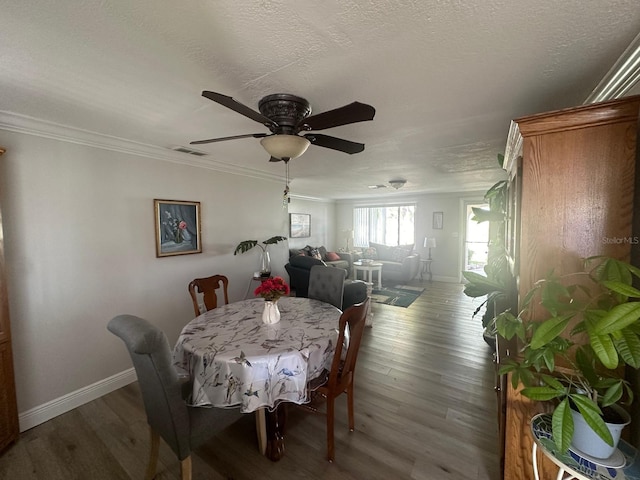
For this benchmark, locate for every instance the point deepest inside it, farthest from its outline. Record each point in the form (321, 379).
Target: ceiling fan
(287, 115)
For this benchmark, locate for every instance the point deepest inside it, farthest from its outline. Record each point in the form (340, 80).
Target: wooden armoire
(572, 194)
(8, 408)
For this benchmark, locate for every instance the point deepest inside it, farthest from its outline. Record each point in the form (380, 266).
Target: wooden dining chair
(340, 378)
(208, 287)
(327, 284)
(182, 427)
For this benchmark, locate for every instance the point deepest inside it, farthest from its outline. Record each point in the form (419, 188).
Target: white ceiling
(445, 78)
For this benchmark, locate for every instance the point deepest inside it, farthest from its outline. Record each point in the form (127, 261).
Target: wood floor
(425, 409)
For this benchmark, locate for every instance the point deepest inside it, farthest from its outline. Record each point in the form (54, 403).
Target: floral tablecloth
(234, 359)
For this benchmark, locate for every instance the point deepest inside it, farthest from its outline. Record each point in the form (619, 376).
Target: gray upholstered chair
(327, 284)
(182, 427)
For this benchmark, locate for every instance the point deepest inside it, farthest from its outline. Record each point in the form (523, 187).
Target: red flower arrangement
(272, 289)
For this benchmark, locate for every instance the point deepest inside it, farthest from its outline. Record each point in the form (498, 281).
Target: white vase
(587, 441)
(270, 314)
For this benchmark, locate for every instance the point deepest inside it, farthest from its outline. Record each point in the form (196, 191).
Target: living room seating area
(400, 264)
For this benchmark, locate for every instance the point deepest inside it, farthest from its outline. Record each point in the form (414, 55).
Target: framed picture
(437, 220)
(299, 225)
(177, 228)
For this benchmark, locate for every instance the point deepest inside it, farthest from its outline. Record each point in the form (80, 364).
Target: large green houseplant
(496, 284)
(590, 328)
(265, 260)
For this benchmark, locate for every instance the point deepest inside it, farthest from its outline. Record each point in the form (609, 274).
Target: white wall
(80, 249)
(447, 262)
(323, 219)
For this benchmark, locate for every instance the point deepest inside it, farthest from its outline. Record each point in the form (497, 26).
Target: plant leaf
(542, 393)
(245, 246)
(585, 364)
(562, 426)
(554, 297)
(605, 350)
(622, 288)
(628, 347)
(553, 382)
(548, 330)
(617, 318)
(612, 394)
(593, 416)
(275, 239)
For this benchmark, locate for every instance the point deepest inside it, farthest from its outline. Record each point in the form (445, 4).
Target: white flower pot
(587, 441)
(270, 314)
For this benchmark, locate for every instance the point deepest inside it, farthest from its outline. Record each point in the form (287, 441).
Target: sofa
(332, 259)
(302, 259)
(299, 269)
(400, 264)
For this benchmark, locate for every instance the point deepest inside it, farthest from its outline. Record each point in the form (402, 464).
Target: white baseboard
(52, 409)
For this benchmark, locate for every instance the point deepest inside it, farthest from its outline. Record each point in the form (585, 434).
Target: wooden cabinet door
(9, 428)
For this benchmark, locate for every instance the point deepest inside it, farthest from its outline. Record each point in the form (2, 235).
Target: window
(386, 225)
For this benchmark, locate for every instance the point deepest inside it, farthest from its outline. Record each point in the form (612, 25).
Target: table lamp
(349, 236)
(429, 242)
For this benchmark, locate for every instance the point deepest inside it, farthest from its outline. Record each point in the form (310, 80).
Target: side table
(368, 269)
(256, 278)
(426, 268)
(624, 464)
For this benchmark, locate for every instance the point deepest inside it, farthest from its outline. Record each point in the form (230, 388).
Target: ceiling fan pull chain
(285, 198)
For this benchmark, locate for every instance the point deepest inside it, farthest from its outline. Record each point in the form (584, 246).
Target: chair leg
(352, 423)
(330, 439)
(153, 455)
(185, 468)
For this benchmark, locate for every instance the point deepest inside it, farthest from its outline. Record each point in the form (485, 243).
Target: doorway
(476, 240)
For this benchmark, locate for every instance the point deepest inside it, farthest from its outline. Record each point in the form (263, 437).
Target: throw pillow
(370, 253)
(383, 251)
(315, 254)
(399, 254)
(332, 256)
(323, 253)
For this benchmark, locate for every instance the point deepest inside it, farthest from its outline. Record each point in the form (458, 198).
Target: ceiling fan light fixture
(285, 146)
(397, 183)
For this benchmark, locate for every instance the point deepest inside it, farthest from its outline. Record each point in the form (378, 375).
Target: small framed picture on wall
(177, 227)
(438, 218)
(299, 225)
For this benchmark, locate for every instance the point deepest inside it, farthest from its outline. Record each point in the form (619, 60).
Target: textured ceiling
(445, 78)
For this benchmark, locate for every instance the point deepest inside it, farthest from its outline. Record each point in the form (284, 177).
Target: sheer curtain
(386, 225)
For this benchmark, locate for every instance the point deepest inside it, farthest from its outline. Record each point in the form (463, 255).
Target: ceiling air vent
(190, 151)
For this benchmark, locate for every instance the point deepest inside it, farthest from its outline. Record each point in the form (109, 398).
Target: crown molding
(621, 78)
(13, 122)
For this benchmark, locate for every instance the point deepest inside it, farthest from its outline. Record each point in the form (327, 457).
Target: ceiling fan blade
(334, 143)
(236, 106)
(352, 113)
(222, 139)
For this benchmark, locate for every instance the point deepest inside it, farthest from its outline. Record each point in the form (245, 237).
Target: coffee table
(368, 269)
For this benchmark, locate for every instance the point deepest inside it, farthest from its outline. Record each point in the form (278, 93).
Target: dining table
(235, 360)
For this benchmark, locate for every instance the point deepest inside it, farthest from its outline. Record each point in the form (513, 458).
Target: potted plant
(574, 355)
(265, 260)
(497, 282)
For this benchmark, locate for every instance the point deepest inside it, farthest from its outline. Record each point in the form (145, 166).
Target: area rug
(398, 296)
